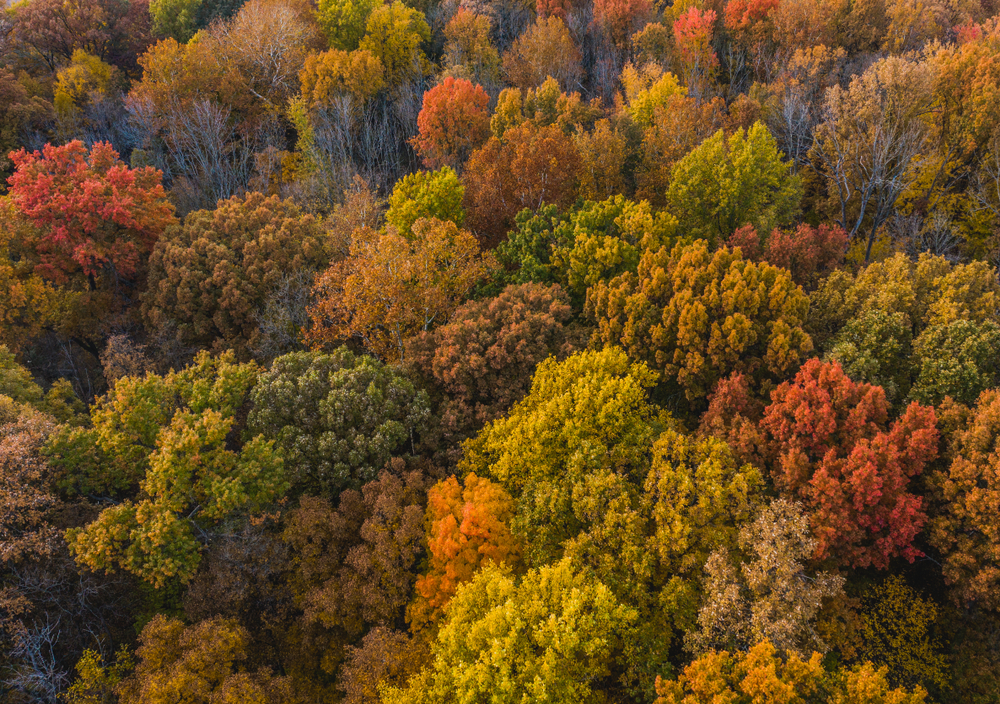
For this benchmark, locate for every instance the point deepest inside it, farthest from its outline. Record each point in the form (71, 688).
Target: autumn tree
(677, 126)
(392, 287)
(481, 362)
(114, 31)
(337, 417)
(384, 658)
(343, 21)
(699, 316)
(963, 527)
(263, 47)
(763, 676)
(832, 447)
(770, 597)
(806, 252)
(591, 243)
(453, 122)
(209, 278)
(542, 106)
(96, 218)
(559, 629)
(927, 291)
(20, 112)
(426, 194)
(956, 360)
(545, 49)
(725, 183)
(869, 142)
(693, 41)
(331, 74)
(202, 663)
(620, 19)
(29, 304)
(355, 560)
(896, 317)
(647, 88)
(468, 526)
(593, 398)
(394, 34)
(468, 49)
(161, 441)
(896, 634)
(528, 167)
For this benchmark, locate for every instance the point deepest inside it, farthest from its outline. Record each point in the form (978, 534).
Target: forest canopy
(510, 351)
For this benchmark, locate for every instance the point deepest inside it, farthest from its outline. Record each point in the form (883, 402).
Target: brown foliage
(530, 166)
(211, 276)
(481, 362)
(545, 49)
(965, 528)
(198, 664)
(384, 658)
(355, 565)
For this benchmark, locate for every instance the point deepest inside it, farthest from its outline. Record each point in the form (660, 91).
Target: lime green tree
(165, 443)
(726, 183)
(549, 637)
(426, 194)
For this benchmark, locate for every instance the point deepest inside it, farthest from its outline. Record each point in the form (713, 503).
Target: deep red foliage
(806, 251)
(93, 212)
(828, 442)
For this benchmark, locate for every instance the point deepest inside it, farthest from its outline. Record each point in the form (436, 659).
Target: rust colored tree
(830, 444)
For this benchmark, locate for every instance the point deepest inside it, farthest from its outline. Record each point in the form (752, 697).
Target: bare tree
(871, 142)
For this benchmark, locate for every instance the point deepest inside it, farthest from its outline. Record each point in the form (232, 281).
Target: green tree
(164, 442)
(726, 183)
(394, 34)
(343, 21)
(177, 19)
(957, 359)
(550, 637)
(426, 194)
(338, 417)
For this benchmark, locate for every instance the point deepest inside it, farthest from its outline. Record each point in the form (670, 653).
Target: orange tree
(530, 166)
(454, 121)
(391, 287)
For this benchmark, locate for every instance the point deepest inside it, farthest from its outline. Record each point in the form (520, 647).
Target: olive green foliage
(338, 417)
(548, 637)
(592, 242)
(726, 183)
(343, 21)
(166, 443)
(211, 278)
(921, 329)
(60, 401)
(960, 359)
(426, 194)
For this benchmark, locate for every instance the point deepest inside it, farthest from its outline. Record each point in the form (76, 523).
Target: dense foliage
(602, 351)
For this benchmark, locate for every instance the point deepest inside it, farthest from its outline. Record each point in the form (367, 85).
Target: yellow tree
(700, 315)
